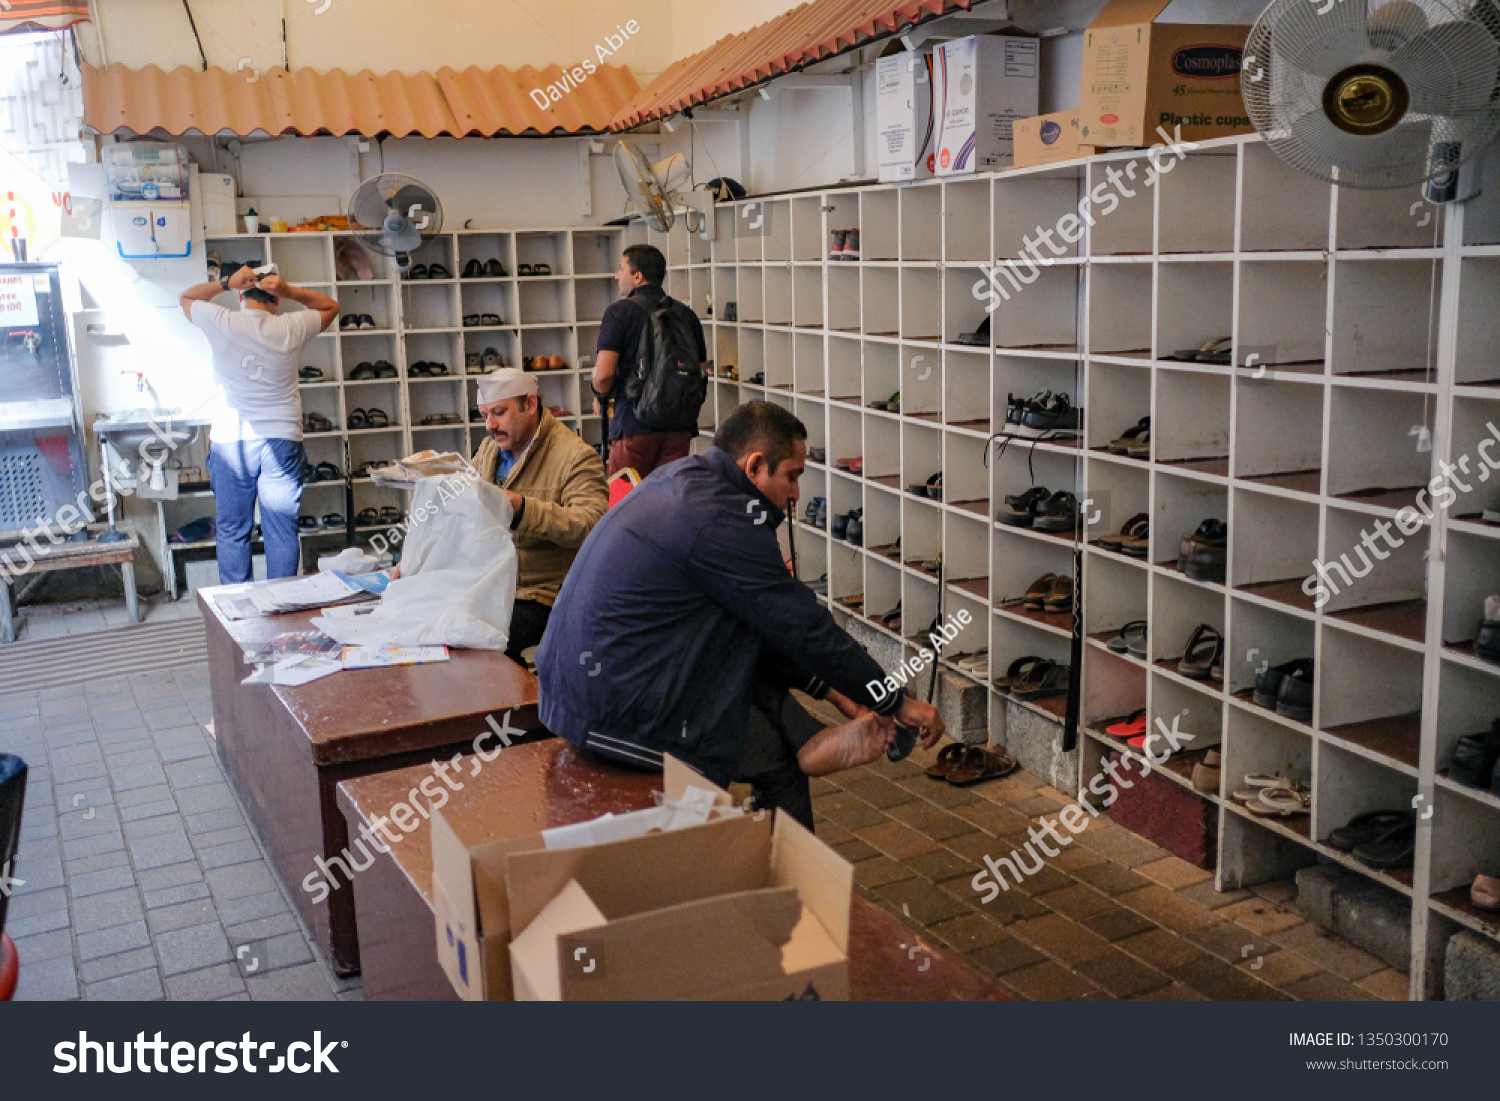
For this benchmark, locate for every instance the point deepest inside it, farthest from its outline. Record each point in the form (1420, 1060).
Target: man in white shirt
(256, 433)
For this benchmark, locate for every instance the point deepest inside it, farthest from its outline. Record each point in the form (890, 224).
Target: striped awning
(474, 101)
(811, 33)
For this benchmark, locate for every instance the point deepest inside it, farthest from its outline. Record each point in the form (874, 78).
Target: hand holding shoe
(926, 718)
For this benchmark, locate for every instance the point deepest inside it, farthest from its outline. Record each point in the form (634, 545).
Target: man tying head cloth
(555, 483)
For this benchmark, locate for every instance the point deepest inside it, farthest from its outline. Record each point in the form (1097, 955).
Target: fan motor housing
(1365, 99)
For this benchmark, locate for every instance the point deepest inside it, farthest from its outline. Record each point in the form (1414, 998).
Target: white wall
(698, 24)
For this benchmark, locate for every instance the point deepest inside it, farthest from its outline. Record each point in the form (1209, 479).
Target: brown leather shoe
(556, 361)
(1036, 592)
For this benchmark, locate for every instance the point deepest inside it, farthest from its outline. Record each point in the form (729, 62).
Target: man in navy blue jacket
(679, 630)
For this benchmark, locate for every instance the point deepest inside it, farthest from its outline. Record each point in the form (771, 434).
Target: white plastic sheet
(458, 573)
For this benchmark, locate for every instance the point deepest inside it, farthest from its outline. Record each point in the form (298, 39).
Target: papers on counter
(301, 593)
(383, 657)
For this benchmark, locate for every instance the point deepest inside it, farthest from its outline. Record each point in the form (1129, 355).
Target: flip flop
(1365, 828)
(1018, 669)
(1046, 679)
(1134, 631)
(1132, 726)
(979, 764)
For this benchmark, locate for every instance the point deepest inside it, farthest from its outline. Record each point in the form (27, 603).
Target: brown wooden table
(549, 783)
(286, 749)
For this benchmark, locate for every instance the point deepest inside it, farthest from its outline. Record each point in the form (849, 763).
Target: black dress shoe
(1475, 757)
(494, 269)
(473, 269)
(1487, 639)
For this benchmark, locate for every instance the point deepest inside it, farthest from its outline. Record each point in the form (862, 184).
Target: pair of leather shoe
(850, 526)
(1041, 509)
(1287, 689)
(1204, 554)
(1476, 759)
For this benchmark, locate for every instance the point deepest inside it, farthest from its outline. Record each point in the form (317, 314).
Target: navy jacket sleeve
(738, 565)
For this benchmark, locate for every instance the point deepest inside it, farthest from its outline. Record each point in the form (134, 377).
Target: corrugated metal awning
(447, 102)
(813, 32)
(52, 14)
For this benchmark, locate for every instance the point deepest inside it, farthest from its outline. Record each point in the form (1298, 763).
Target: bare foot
(849, 745)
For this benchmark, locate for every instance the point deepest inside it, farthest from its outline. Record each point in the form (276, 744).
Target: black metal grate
(23, 498)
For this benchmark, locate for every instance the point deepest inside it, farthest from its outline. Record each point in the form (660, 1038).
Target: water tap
(143, 384)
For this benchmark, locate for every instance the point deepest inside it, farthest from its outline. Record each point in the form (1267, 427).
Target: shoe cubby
(1262, 638)
(1394, 218)
(1369, 696)
(776, 230)
(374, 299)
(1474, 454)
(1119, 397)
(1278, 434)
(1282, 311)
(558, 390)
(484, 247)
(1115, 494)
(1036, 307)
(921, 529)
(445, 348)
(1114, 594)
(1195, 305)
(1178, 607)
(1275, 542)
(1465, 843)
(1385, 317)
(921, 221)
(1182, 503)
(1282, 209)
(963, 309)
(1375, 457)
(882, 371)
(1016, 565)
(429, 306)
(1017, 468)
(883, 450)
(597, 252)
(879, 228)
(1177, 702)
(846, 435)
(1478, 322)
(966, 565)
(1012, 638)
(1348, 784)
(553, 249)
(843, 298)
(549, 341)
(752, 354)
(751, 286)
(505, 342)
(723, 346)
(971, 619)
(591, 297)
(921, 458)
(812, 555)
(1473, 574)
(846, 571)
(778, 360)
(966, 220)
(778, 291)
(306, 261)
(921, 384)
(1469, 703)
(724, 293)
(1114, 687)
(497, 297)
(807, 363)
(966, 389)
(845, 369)
(966, 478)
(807, 297)
(882, 524)
(1190, 424)
(1197, 202)
(1046, 201)
(1258, 745)
(1369, 582)
(808, 242)
(881, 298)
(1022, 376)
(922, 303)
(1122, 219)
(919, 606)
(1119, 309)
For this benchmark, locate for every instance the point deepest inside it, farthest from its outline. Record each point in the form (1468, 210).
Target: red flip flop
(1128, 728)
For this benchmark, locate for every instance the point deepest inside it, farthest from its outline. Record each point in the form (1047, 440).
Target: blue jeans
(241, 471)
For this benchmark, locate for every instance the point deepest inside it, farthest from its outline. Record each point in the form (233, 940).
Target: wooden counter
(545, 784)
(285, 750)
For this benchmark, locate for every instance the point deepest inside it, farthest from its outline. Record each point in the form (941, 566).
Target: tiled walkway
(142, 880)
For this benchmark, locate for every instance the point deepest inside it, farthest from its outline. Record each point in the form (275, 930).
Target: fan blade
(1321, 44)
(1321, 140)
(1451, 68)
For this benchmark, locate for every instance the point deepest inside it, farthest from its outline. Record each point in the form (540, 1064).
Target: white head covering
(505, 382)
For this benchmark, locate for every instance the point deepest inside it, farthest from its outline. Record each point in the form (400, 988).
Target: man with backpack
(652, 362)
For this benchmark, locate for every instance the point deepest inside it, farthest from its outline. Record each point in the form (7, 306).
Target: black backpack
(668, 386)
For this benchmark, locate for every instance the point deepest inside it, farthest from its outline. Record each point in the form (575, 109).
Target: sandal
(378, 418)
(1395, 848)
(390, 514)
(1122, 443)
(1134, 528)
(333, 520)
(541, 269)
(309, 374)
(307, 523)
(979, 764)
(1258, 781)
(1017, 670)
(1060, 597)
(367, 517)
(385, 369)
(489, 319)
(1204, 649)
(316, 422)
(1130, 640)
(1369, 827)
(1131, 727)
(358, 420)
(1045, 679)
(327, 472)
(525, 269)
(362, 372)
(1036, 593)
(948, 759)
(437, 271)
(1282, 801)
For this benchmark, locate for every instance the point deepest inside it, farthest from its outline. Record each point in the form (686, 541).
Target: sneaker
(471, 360)
(1048, 415)
(851, 245)
(836, 251)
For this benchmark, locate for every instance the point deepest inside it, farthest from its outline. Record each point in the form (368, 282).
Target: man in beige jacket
(555, 483)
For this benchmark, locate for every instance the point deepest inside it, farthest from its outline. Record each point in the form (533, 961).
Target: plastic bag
(458, 573)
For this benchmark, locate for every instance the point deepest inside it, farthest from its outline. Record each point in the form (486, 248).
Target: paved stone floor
(143, 881)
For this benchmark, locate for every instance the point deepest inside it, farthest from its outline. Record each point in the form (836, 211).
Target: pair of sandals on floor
(962, 765)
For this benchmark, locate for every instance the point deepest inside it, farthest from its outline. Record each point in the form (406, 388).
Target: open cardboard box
(732, 909)
(1139, 74)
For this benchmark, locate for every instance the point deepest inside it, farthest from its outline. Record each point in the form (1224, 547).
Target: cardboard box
(982, 85)
(904, 116)
(1048, 139)
(731, 909)
(1138, 75)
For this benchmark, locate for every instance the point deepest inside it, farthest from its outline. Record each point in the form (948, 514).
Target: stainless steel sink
(129, 429)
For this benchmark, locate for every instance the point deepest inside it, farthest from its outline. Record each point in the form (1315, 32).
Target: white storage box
(983, 84)
(903, 112)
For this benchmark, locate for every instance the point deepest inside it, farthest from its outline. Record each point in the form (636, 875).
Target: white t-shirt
(256, 357)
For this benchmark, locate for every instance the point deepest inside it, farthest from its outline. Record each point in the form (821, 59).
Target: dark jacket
(677, 601)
